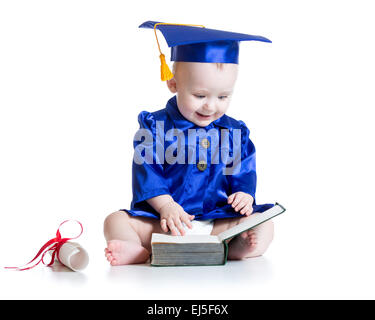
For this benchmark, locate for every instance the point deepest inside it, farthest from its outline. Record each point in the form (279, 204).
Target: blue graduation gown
(202, 193)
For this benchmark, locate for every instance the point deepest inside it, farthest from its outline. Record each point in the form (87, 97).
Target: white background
(75, 74)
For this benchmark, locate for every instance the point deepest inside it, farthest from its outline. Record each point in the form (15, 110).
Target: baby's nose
(209, 106)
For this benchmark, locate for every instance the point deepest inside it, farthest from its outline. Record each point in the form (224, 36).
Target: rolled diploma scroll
(73, 256)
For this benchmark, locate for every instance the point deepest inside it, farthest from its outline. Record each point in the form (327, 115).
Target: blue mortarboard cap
(192, 43)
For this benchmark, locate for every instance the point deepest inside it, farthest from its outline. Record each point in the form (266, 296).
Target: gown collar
(183, 124)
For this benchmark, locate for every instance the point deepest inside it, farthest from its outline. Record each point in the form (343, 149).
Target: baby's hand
(171, 217)
(241, 201)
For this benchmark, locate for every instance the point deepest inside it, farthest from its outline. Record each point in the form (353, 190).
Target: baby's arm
(171, 214)
(158, 202)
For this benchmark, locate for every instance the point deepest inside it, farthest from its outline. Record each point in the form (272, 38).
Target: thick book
(193, 250)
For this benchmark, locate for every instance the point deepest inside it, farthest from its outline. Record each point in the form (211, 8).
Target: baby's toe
(244, 235)
(111, 246)
(247, 234)
(114, 262)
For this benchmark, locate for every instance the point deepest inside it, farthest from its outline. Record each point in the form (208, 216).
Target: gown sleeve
(147, 177)
(245, 180)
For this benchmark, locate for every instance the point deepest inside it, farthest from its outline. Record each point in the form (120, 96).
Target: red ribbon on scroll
(53, 245)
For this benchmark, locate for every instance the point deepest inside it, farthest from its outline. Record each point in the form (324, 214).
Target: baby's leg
(128, 238)
(248, 244)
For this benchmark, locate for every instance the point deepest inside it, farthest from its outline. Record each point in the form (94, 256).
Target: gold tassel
(166, 73)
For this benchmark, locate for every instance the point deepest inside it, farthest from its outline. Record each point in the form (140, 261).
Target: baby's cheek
(189, 106)
(193, 106)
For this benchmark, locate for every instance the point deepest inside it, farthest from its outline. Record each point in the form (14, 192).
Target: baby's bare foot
(251, 243)
(242, 245)
(120, 252)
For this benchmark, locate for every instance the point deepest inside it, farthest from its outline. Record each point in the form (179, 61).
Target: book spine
(225, 251)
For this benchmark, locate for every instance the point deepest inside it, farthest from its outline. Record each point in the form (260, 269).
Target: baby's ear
(172, 85)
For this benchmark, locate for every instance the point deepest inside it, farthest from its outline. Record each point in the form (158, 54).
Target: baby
(189, 191)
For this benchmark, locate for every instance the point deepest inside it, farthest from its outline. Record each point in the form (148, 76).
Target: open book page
(252, 221)
(194, 238)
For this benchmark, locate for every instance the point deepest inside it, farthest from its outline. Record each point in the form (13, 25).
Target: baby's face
(203, 90)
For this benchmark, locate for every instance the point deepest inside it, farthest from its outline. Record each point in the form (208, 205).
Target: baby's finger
(231, 197)
(240, 205)
(191, 217)
(163, 224)
(186, 220)
(172, 227)
(250, 211)
(245, 210)
(237, 199)
(179, 226)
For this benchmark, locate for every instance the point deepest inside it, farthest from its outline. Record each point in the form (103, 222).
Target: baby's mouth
(203, 116)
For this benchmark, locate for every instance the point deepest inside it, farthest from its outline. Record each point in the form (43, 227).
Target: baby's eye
(223, 97)
(199, 96)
